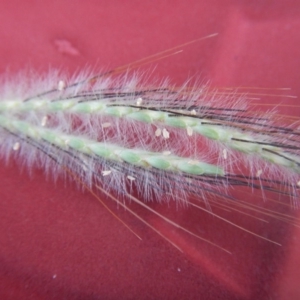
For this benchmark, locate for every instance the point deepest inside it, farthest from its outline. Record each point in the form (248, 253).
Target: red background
(59, 243)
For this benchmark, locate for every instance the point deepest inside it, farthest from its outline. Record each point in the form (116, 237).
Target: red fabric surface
(57, 242)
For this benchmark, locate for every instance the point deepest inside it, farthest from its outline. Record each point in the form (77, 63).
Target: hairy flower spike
(130, 127)
(139, 142)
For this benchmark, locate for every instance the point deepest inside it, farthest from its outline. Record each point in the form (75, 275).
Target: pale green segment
(198, 168)
(136, 157)
(88, 108)
(76, 143)
(159, 162)
(117, 111)
(213, 132)
(290, 163)
(208, 131)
